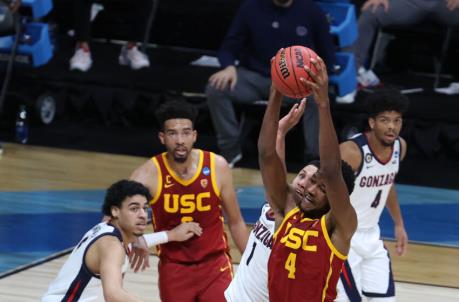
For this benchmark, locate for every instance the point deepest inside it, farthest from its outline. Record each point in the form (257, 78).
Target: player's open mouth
(181, 151)
(390, 135)
(308, 199)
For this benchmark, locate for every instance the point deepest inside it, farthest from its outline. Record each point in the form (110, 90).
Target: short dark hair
(175, 109)
(386, 99)
(119, 191)
(346, 170)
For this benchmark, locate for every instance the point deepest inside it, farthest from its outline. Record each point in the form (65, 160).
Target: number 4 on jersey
(377, 199)
(290, 265)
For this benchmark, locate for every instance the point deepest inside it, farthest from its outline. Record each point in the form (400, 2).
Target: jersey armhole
(286, 217)
(83, 261)
(213, 174)
(323, 225)
(159, 181)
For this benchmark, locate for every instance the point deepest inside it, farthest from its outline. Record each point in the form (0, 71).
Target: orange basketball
(288, 67)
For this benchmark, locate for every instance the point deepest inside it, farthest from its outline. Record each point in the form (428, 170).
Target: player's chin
(180, 157)
(140, 228)
(306, 206)
(389, 139)
(138, 233)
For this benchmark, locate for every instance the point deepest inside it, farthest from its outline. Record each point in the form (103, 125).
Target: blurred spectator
(130, 54)
(383, 13)
(259, 29)
(14, 5)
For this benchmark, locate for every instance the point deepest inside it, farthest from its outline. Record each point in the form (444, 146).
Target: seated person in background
(130, 54)
(383, 13)
(14, 5)
(259, 29)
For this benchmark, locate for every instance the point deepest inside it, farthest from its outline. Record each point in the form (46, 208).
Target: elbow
(113, 294)
(110, 297)
(264, 153)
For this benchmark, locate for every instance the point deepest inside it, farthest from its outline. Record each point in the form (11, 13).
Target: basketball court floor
(50, 197)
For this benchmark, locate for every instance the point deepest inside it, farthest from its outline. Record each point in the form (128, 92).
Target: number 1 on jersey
(251, 253)
(290, 265)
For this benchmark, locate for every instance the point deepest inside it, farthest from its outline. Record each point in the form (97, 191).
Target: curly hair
(119, 191)
(385, 99)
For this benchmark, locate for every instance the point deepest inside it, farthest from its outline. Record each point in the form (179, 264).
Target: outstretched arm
(285, 125)
(272, 168)
(342, 219)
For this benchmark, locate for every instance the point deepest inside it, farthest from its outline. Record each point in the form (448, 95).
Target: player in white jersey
(251, 280)
(96, 265)
(374, 156)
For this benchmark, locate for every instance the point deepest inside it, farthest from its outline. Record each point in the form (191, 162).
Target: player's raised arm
(342, 217)
(286, 123)
(272, 170)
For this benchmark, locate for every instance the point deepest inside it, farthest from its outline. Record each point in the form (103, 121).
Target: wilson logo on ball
(287, 68)
(283, 65)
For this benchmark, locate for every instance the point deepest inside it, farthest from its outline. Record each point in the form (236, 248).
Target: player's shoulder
(220, 161)
(403, 147)
(149, 167)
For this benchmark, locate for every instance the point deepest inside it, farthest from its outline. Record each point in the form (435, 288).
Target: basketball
(288, 67)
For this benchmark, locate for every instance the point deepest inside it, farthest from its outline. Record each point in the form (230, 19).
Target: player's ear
(115, 212)
(371, 122)
(195, 135)
(161, 137)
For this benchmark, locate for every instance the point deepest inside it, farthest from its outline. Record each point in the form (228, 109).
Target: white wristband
(156, 238)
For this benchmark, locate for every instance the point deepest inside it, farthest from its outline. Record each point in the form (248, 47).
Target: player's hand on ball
(319, 82)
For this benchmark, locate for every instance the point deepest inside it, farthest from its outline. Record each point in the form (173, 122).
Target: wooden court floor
(427, 273)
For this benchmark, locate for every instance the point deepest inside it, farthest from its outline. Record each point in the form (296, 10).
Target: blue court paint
(38, 224)
(431, 215)
(45, 202)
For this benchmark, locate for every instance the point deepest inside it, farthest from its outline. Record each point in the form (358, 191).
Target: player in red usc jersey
(312, 239)
(189, 184)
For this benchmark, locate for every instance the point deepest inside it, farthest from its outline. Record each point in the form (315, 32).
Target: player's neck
(187, 168)
(127, 238)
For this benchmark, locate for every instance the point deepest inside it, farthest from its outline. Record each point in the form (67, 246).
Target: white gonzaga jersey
(75, 282)
(373, 182)
(251, 280)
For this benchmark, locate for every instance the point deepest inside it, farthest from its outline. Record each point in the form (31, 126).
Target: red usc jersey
(197, 199)
(304, 265)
